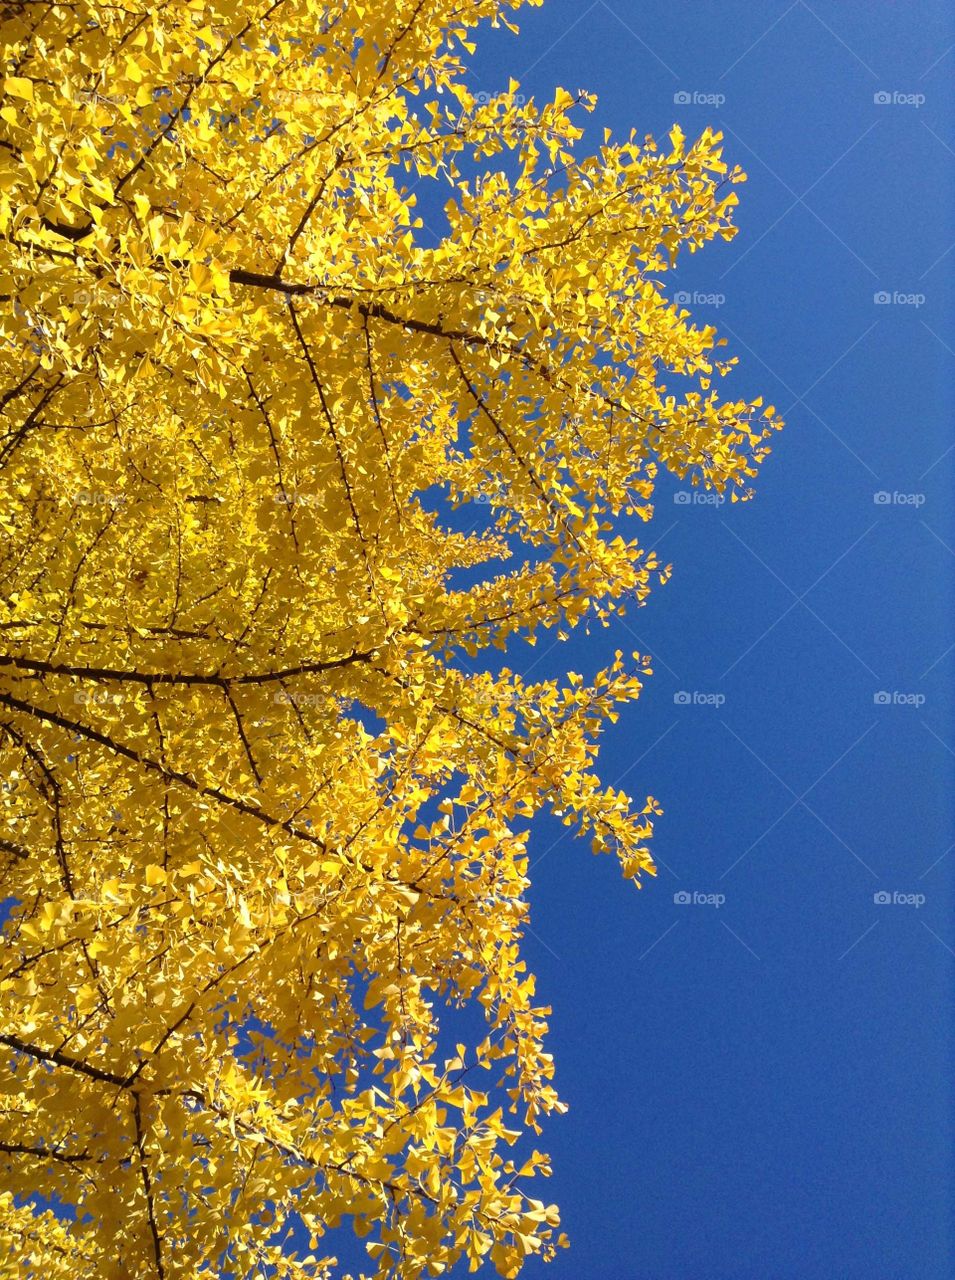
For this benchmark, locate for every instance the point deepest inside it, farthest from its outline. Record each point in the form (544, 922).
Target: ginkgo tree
(264, 809)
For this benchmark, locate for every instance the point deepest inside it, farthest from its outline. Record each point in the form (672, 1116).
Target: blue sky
(762, 1088)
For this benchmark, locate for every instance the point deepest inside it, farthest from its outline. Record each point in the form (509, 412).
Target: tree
(264, 811)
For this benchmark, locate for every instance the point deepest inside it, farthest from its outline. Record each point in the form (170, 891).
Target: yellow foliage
(261, 819)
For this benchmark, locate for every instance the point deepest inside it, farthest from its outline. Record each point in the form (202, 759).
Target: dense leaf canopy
(265, 797)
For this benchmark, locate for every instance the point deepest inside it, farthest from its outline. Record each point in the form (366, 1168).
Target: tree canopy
(265, 792)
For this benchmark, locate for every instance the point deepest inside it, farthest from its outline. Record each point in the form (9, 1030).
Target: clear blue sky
(761, 1090)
